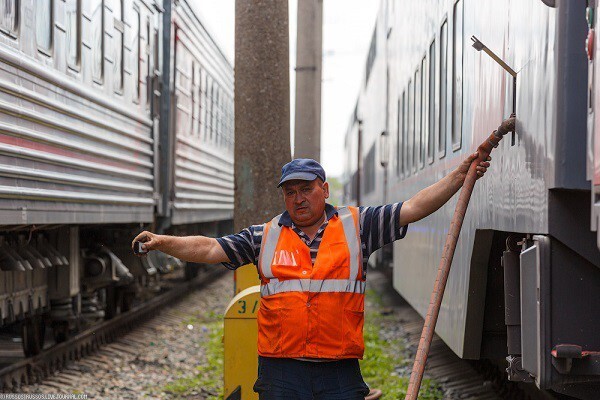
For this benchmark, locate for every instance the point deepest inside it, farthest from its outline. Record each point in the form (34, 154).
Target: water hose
(433, 311)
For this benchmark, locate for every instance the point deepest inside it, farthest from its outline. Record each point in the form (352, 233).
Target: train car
(101, 135)
(525, 276)
(202, 89)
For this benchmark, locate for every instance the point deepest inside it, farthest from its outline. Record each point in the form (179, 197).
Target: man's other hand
(463, 168)
(150, 241)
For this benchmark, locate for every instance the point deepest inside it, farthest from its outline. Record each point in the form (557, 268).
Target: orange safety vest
(306, 310)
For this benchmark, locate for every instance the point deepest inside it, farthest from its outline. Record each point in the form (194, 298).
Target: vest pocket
(269, 330)
(353, 333)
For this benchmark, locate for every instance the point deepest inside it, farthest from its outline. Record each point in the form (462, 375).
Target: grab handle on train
(433, 311)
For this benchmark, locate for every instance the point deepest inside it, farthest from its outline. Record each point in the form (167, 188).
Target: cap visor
(302, 176)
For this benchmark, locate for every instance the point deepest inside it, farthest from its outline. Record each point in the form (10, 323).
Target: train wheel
(33, 332)
(61, 331)
(112, 302)
(127, 303)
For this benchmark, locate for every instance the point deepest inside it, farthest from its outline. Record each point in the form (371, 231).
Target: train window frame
(424, 111)
(43, 50)
(417, 120)
(119, 26)
(411, 127)
(432, 106)
(137, 63)
(77, 66)
(100, 79)
(443, 90)
(13, 31)
(457, 73)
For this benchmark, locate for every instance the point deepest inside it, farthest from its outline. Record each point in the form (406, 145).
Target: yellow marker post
(245, 276)
(240, 342)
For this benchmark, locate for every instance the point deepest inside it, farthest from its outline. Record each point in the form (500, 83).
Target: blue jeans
(286, 378)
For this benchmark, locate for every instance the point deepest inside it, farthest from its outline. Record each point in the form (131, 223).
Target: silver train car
(114, 115)
(525, 278)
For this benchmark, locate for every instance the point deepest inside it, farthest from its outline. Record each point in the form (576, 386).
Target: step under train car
(105, 128)
(525, 279)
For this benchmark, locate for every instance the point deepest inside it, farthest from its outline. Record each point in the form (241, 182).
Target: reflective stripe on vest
(268, 246)
(352, 238)
(313, 286)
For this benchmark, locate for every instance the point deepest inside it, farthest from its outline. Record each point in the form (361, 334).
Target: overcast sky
(347, 29)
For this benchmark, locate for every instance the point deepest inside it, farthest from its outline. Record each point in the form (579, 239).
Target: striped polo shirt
(378, 226)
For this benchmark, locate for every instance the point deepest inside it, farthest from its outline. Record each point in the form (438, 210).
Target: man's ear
(326, 189)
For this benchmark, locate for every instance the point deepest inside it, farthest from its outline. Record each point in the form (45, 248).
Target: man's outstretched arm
(200, 249)
(433, 197)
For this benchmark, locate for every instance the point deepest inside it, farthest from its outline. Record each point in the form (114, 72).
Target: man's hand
(200, 249)
(150, 241)
(463, 168)
(433, 197)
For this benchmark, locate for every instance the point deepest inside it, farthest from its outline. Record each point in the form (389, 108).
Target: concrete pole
(262, 108)
(307, 142)
(262, 146)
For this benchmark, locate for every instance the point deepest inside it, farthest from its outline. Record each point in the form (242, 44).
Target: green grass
(209, 376)
(383, 357)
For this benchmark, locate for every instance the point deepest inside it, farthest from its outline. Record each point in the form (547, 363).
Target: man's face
(305, 200)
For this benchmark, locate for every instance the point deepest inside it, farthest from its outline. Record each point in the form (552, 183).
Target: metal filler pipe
(435, 303)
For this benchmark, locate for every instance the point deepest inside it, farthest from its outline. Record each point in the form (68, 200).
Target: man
(312, 263)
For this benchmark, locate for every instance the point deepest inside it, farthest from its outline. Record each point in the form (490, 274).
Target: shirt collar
(286, 220)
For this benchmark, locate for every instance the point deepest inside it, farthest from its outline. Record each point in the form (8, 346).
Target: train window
(369, 183)
(148, 63)
(431, 126)
(97, 40)
(424, 111)
(211, 104)
(372, 54)
(443, 91)
(195, 97)
(118, 34)
(43, 25)
(411, 128)
(9, 16)
(219, 117)
(135, 50)
(206, 103)
(457, 68)
(417, 120)
(399, 122)
(404, 131)
(73, 28)
(200, 106)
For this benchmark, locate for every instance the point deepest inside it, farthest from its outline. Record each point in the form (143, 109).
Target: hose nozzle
(506, 126)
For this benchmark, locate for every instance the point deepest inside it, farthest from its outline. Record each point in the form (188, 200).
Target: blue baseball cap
(305, 169)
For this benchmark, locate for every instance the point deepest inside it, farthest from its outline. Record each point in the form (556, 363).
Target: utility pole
(262, 108)
(307, 133)
(262, 146)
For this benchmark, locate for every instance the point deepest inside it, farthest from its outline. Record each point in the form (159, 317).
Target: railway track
(34, 369)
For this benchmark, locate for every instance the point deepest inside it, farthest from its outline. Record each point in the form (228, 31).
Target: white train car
(525, 277)
(104, 127)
